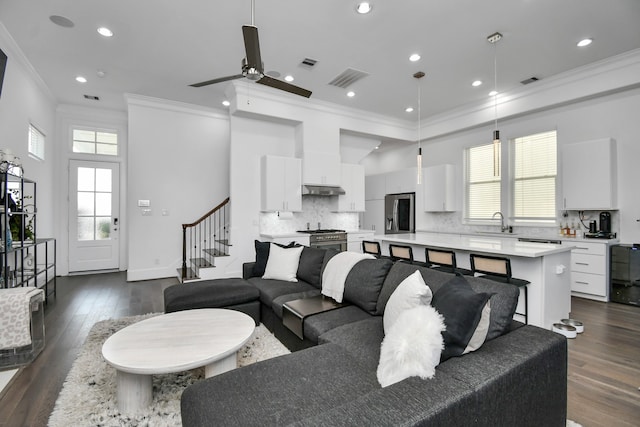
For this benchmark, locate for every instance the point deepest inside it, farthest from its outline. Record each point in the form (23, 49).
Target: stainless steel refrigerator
(400, 213)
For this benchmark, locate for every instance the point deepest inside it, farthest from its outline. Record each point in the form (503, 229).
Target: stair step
(191, 275)
(224, 242)
(201, 262)
(216, 252)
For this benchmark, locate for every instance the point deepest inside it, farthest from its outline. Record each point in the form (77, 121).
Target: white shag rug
(88, 396)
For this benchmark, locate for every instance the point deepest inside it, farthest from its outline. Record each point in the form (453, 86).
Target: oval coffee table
(174, 342)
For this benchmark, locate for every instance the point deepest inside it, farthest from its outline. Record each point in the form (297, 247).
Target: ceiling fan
(252, 65)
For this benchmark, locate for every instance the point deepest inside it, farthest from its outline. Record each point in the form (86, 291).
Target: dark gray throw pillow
(310, 265)
(461, 308)
(364, 282)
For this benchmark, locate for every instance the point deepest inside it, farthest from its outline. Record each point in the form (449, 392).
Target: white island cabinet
(355, 238)
(545, 265)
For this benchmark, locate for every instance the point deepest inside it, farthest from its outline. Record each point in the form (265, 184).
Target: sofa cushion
(364, 282)
(283, 263)
(278, 391)
(310, 266)
(318, 324)
(411, 346)
(216, 293)
(361, 339)
(410, 293)
(271, 289)
(462, 310)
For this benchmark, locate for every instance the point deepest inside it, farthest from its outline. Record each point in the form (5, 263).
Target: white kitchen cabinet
(321, 168)
(373, 217)
(590, 270)
(438, 183)
(402, 181)
(374, 187)
(353, 186)
(589, 175)
(281, 184)
(354, 240)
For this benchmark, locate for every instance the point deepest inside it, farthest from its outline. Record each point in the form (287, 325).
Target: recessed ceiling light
(351, 94)
(585, 42)
(476, 83)
(288, 78)
(226, 103)
(363, 7)
(101, 73)
(409, 109)
(81, 79)
(377, 147)
(104, 31)
(414, 57)
(493, 93)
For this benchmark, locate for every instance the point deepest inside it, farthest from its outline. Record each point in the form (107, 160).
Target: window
(483, 187)
(95, 142)
(36, 143)
(534, 177)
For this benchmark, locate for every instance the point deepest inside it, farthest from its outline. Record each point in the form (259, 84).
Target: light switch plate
(144, 203)
(146, 212)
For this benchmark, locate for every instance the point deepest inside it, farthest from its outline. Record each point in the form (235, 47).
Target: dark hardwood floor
(604, 362)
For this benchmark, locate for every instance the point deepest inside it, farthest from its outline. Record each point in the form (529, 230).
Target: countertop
(298, 234)
(478, 243)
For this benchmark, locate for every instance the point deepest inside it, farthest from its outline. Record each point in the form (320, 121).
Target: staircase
(203, 242)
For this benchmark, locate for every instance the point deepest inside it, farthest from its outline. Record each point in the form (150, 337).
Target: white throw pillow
(480, 334)
(282, 263)
(412, 347)
(410, 293)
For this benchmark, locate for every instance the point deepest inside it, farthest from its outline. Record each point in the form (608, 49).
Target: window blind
(483, 188)
(535, 172)
(36, 143)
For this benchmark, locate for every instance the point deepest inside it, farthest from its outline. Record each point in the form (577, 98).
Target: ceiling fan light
(363, 7)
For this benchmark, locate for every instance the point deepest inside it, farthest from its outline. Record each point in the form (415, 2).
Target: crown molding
(175, 106)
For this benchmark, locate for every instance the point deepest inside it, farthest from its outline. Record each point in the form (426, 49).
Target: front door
(93, 216)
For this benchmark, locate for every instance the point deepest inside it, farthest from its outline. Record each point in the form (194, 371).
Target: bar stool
(444, 260)
(400, 252)
(499, 270)
(371, 247)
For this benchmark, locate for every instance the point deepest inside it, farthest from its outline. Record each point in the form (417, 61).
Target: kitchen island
(545, 265)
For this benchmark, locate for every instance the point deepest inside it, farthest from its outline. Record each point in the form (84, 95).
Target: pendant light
(418, 76)
(493, 39)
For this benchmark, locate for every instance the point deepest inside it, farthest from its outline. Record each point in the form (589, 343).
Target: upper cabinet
(353, 185)
(375, 187)
(438, 184)
(402, 181)
(321, 168)
(589, 175)
(281, 184)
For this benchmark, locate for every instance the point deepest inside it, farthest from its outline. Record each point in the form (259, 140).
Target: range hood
(322, 190)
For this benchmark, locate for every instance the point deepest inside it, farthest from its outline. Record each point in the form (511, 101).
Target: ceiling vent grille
(308, 63)
(529, 80)
(347, 78)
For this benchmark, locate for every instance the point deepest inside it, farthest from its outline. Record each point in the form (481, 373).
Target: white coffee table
(174, 342)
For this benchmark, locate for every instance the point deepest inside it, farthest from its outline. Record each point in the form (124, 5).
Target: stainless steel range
(327, 239)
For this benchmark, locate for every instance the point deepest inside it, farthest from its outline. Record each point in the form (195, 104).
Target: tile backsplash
(315, 210)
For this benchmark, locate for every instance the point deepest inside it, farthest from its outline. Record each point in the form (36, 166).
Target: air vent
(92, 97)
(347, 78)
(529, 80)
(308, 63)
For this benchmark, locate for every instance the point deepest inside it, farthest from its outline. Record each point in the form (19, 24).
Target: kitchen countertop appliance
(625, 274)
(605, 228)
(327, 239)
(399, 213)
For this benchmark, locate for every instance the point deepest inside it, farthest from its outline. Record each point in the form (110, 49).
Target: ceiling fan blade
(252, 47)
(218, 80)
(279, 84)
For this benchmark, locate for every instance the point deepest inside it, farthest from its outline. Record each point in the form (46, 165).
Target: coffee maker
(605, 222)
(604, 231)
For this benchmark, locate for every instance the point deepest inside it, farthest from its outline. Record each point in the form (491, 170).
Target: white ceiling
(162, 46)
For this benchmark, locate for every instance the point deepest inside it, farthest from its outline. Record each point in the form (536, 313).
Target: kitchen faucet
(503, 227)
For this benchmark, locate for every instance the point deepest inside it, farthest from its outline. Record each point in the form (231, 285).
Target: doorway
(94, 214)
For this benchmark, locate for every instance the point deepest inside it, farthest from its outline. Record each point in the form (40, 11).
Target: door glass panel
(85, 203)
(85, 228)
(103, 204)
(86, 181)
(103, 228)
(103, 180)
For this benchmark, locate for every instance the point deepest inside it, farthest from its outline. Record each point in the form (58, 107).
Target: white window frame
(95, 130)
(36, 143)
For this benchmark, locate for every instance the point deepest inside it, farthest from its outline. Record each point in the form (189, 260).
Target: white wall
(612, 116)
(25, 100)
(178, 158)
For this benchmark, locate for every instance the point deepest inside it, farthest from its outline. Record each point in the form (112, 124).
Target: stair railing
(209, 234)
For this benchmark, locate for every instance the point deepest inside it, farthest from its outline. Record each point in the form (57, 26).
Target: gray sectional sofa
(518, 377)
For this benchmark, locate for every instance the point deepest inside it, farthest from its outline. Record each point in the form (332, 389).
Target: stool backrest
(497, 266)
(440, 257)
(401, 252)
(371, 247)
